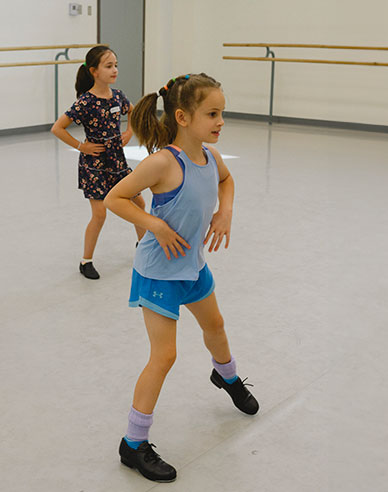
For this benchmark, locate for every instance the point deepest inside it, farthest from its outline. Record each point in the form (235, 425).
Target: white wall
(27, 93)
(186, 36)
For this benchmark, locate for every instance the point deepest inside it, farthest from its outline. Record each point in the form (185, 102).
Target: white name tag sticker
(115, 109)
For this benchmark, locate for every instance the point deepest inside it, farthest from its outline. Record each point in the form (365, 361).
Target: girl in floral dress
(102, 162)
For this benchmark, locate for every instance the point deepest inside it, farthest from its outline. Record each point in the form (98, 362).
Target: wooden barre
(29, 64)
(301, 60)
(51, 47)
(318, 46)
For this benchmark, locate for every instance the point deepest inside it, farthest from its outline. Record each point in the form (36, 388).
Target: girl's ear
(92, 71)
(181, 117)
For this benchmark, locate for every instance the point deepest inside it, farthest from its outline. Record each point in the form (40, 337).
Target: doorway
(120, 23)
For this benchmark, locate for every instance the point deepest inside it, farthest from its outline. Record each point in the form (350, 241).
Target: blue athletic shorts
(165, 296)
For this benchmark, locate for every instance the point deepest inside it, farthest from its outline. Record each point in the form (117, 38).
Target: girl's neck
(193, 149)
(101, 90)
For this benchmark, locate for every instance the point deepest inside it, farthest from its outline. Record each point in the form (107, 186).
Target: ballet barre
(31, 64)
(55, 62)
(315, 46)
(47, 47)
(270, 57)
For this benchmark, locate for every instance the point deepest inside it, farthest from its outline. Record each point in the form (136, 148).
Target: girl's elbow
(55, 129)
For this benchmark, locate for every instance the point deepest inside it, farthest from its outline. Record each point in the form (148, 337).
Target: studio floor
(303, 290)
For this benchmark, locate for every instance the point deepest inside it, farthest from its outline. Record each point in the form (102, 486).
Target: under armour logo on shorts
(158, 294)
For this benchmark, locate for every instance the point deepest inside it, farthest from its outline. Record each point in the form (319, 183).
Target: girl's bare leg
(210, 320)
(94, 227)
(162, 336)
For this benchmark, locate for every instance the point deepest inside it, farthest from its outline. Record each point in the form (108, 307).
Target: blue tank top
(189, 213)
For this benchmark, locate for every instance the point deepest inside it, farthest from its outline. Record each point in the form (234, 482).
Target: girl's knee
(164, 361)
(215, 326)
(169, 359)
(98, 221)
(99, 215)
(219, 323)
(98, 211)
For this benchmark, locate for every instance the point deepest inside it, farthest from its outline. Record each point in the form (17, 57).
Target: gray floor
(303, 290)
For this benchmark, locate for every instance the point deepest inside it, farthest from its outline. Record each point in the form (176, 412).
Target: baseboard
(26, 129)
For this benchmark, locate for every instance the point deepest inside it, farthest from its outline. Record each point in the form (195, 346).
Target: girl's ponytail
(150, 132)
(84, 80)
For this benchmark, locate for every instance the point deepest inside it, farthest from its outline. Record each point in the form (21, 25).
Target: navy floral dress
(100, 118)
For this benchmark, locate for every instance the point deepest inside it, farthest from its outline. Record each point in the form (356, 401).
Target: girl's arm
(221, 223)
(59, 130)
(127, 135)
(147, 174)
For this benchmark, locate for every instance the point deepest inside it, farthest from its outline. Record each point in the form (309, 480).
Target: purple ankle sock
(138, 425)
(227, 371)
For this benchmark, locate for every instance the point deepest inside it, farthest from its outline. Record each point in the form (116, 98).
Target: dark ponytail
(185, 92)
(85, 79)
(144, 121)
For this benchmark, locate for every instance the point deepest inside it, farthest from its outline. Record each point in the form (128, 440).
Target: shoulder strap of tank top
(175, 151)
(210, 154)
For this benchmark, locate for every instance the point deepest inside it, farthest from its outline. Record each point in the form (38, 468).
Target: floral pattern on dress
(100, 118)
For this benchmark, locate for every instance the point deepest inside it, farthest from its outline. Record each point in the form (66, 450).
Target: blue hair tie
(187, 77)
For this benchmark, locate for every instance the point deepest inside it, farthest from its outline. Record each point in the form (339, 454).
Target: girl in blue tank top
(186, 179)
